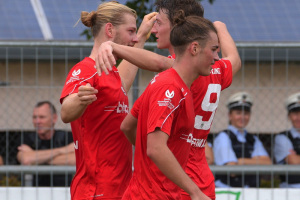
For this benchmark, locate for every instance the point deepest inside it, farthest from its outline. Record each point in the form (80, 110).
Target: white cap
(240, 99)
(293, 101)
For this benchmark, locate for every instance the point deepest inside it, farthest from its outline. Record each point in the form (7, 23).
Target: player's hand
(146, 26)
(105, 58)
(87, 94)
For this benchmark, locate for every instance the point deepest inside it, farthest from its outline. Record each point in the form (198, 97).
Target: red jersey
(166, 104)
(103, 153)
(206, 94)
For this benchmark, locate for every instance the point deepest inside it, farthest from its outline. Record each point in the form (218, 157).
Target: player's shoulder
(168, 77)
(86, 65)
(84, 69)
(169, 83)
(222, 63)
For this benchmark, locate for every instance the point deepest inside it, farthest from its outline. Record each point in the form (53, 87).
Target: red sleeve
(226, 69)
(163, 106)
(79, 75)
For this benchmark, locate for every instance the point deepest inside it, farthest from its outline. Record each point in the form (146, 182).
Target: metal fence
(35, 71)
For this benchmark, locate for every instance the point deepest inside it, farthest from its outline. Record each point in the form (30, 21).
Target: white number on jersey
(207, 106)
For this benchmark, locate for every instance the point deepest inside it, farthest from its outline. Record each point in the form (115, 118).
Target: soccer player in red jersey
(166, 115)
(206, 89)
(96, 106)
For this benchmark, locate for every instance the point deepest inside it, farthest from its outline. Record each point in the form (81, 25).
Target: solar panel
(18, 21)
(255, 20)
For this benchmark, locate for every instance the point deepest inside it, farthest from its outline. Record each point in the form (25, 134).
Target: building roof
(247, 21)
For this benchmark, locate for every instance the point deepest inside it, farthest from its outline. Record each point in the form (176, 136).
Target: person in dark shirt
(47, 146)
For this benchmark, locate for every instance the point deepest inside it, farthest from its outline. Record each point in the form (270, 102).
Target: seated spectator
(287, 143)
(236, 146)
(209, 153)
(47, 146)
(1, 160)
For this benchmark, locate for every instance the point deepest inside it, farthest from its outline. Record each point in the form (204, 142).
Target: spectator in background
(1, 160)
(47, 146)
(235, 146)
(287, 143)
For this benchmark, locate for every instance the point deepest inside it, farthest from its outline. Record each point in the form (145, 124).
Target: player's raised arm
(228, 47)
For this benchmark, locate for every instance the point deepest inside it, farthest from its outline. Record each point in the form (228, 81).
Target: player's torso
(178, 142)
(100, 145)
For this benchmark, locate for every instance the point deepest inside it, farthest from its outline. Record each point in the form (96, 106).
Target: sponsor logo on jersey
(74, 76)
(72, 79)
(215, 71)
(169, 94)
(120, 108)
(164, 103)
(194, 141)
(76, 73)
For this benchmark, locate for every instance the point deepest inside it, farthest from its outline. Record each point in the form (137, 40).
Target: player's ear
(109, 30)
(194, 48)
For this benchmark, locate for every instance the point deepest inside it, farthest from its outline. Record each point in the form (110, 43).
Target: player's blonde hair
(110, 12)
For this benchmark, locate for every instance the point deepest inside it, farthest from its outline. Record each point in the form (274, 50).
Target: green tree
(142, 7)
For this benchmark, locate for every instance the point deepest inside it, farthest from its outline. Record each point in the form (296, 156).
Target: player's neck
(96, 46)
(185, 72)
(171, 50)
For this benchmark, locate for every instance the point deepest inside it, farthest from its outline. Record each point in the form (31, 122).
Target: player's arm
(128, 127)
(133, 57)
(256, 160)
(126, 69)
(27, 156)
(74, 105)
(161, 155)
(105, 58)
(140, 57)
(228, 47)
